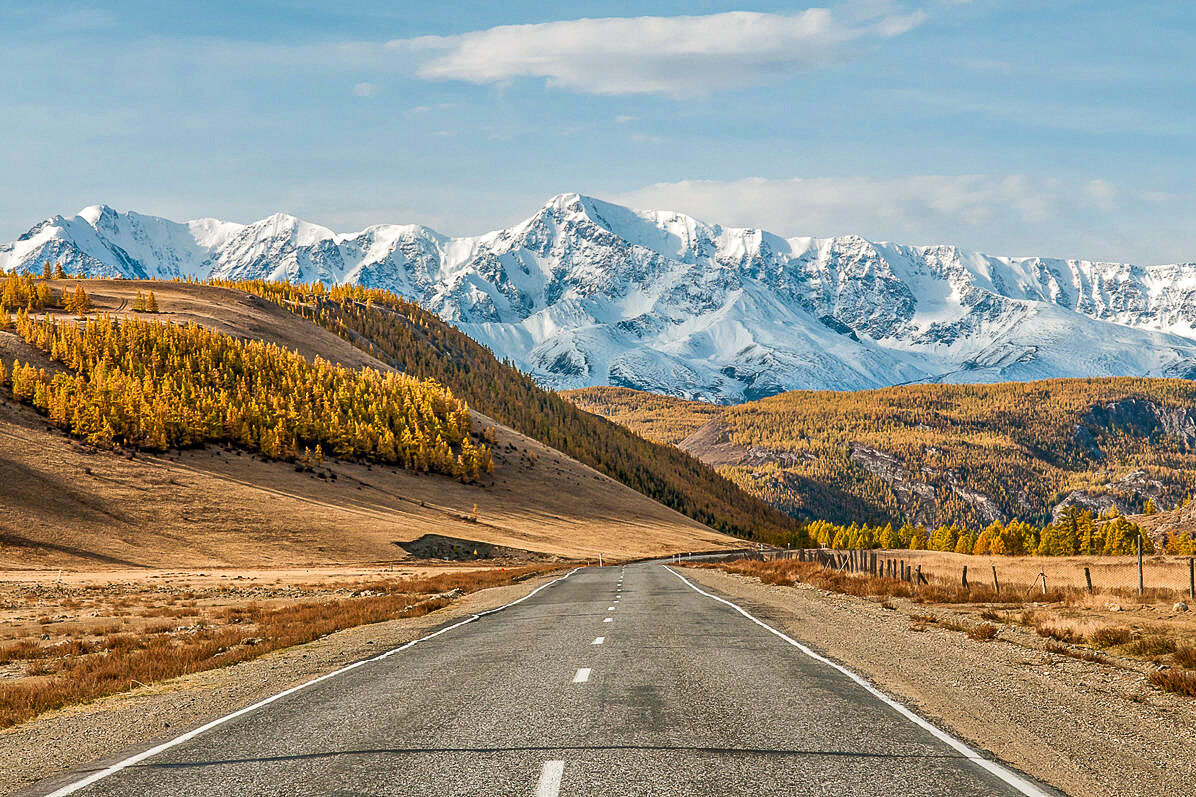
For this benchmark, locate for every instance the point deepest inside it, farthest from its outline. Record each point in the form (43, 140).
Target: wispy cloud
(678, 56)
(1000, 214)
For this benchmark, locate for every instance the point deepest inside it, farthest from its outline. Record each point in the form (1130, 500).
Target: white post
(600, 560)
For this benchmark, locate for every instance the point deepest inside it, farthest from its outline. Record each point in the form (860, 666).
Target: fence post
(1140, 584)
(1042, 575)
(996, 584)
(1088, 578)
(874, 561)
(1191, 578)
(965, 576)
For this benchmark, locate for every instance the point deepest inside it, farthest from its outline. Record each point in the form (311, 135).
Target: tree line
(1077, 532)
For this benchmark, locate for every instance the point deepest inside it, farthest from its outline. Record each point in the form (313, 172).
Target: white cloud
(365, 89)
(998, 214)
(681, 55)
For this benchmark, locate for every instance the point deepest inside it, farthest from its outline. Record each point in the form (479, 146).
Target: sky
(1061, 128)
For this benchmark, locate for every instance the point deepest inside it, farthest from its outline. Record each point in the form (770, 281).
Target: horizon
(351, 232)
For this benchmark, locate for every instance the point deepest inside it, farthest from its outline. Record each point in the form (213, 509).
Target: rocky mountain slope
(938, 454)
(590, 293)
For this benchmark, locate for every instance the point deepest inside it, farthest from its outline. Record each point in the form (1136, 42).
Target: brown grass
(1152, 645)
(1076, 653)
(1066, 616)
(1181, 682)
(1185, 657)
(1110, 636)
(786, 572)
(81, 670)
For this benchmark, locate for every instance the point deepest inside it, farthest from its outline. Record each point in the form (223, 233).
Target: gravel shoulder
(1085, 728)
(61, 741)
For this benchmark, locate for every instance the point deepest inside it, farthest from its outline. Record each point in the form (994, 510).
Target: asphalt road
(611, 682)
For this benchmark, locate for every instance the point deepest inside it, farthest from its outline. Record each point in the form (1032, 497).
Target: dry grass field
(1111, 575)
(1110, 625)
(78, 637)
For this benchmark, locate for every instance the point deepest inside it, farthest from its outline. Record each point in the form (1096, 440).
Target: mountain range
(588, 293)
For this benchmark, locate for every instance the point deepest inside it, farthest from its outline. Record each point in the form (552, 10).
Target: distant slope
(939, 453)
(64, 504)
(416, 342)
(588, 293)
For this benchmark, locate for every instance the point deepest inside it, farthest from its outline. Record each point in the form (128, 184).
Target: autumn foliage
(417, 342)
(158, 385)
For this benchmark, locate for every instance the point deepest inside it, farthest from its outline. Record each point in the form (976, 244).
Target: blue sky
(1062, 128)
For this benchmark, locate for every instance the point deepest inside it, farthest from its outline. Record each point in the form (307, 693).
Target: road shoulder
(1085, 728)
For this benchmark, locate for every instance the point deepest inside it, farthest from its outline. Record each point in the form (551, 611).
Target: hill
(416, 342)
(70, 504)
(938, 454)
(586, 292)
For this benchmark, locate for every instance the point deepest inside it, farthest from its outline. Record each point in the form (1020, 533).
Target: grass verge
(81, 670)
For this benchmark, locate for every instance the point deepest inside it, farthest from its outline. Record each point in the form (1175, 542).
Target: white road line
(607, 620)
(599, 640)
(71, 788)
(1003, 773)
(582, 676)
(610, 608)
(550, 779)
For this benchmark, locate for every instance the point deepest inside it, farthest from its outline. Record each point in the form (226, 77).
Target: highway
(611, 681)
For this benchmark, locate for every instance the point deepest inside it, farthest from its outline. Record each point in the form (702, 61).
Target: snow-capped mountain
(590, 293)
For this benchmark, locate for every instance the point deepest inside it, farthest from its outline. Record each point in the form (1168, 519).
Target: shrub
(1181, 682)
(1109, 636)
(1152, 645)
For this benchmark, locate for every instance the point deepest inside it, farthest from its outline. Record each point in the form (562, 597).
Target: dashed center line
(610, 608)
(550, 779)
(608, 619)
(582, 676)
(599, 640)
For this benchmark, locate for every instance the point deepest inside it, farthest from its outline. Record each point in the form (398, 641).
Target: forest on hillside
(157, 385)
(409, 338)
(945, 454)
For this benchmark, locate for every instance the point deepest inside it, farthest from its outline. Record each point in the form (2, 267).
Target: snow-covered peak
(589, 292)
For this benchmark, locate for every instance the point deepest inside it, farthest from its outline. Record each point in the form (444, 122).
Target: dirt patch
(455, 549)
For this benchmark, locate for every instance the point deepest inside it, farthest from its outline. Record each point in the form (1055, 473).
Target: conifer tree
(80, 301)
(151, 303)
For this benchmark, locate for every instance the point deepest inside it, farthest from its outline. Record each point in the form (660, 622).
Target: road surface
(613, 681)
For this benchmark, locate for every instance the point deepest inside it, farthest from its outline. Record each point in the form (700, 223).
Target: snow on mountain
(590, 293)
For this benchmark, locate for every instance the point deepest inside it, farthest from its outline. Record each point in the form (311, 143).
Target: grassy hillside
(939, 454)
(67, 503)
(418, 343)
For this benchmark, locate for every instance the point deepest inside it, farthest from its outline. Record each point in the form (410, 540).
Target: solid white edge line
(186, 737)
(550, 779)
(1006, 775)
